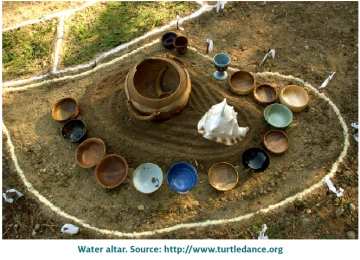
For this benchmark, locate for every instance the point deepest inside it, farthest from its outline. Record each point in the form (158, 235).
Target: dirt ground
(311, 40)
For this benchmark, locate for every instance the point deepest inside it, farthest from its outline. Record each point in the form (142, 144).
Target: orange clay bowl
(90, 152)
(223, 176)
(65, 109)
(265, 94)
(294, 97)
(276, 142)
(241, 82)
(111, 171)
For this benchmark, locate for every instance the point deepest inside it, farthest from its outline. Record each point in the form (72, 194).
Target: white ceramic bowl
(148, 177)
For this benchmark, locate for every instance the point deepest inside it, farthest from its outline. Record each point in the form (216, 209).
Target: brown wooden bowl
(276, 142)
(90, 152)
(223, 176)
(294, 97)
(242, 82)
(265, 94)
(65, 109)
(111, 171)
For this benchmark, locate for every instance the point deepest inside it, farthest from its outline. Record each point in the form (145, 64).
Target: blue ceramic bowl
(182, 177)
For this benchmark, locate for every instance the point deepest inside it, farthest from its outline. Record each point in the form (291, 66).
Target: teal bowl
(278, 115)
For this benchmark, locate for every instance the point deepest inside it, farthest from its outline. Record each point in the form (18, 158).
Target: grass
(27, 49)
(120, 22)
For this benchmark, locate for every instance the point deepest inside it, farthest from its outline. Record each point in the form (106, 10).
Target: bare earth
(311, 40)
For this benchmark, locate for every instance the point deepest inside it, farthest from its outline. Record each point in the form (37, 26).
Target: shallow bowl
(255, 159)
(65, 109)
(276, 142)
(223, 176)
(148, 178)
(182, 177)
(241, 82)
(294, 97)
(74, 131)
(265, 94)
(167, 40)
(278, 115)
(111, 171)
(90, 152)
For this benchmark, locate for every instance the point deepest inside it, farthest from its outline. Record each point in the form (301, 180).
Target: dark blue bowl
(182, 177)
(74, 131)
(167, 40)
(256, 159)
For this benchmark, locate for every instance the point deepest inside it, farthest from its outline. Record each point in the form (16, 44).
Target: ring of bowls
(111, 170)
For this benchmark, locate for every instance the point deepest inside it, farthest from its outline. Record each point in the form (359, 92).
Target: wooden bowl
(242, 82)
(65, 109)
(276, 142)
(265, 94)
(90, 152)
(294, 97)
(111, 171)
(223, 176)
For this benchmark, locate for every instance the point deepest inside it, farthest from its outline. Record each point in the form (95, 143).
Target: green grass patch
(27, 49)
(92, 33)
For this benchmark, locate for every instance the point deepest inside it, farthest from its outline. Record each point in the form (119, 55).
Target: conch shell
(220, 125)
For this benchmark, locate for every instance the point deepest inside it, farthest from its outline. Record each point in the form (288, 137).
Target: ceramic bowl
(241, 82)
(167, 40)
(74, 131)
(255, 159)
(223, 176)
(294, 97)
(111, 171)
(182, 177)
(148, 178)
(276, 142)
(65, 109)
(90, 152)
(265, 94)
(278, 115)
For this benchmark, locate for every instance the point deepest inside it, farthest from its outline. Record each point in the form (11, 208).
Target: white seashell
(220, 125)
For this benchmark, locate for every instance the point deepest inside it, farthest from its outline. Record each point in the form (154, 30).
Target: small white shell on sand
(220, 125)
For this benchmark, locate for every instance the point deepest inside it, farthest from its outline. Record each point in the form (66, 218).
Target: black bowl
(256, 159)
(74, 131)
(167, 40)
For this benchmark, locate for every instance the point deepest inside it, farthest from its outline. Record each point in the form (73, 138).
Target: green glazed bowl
(278, 115)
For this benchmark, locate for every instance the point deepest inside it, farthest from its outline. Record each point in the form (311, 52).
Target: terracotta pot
(157, 88)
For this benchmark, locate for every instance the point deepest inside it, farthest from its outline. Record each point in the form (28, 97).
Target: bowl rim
(269, 86)
(282, 106)
(280, 132)
(224, 54)
(193, 170)
(76, 112)
(222, 163)
(122, 159)
(137, 172)
(259, 149)
(86, 142)
(241, 92)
